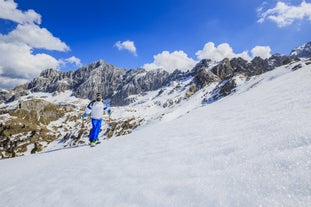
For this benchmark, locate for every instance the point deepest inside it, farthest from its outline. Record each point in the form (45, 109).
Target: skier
(96, 108)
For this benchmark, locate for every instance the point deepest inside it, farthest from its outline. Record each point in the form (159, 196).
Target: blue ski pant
(96, 125)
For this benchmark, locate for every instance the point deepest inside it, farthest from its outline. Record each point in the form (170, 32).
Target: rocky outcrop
(50, 80)
(223, 70)
(27, 128)
(5, 95)
(38, 111)
(102, 77)
(16, 95)
(122, 127)
(223, 89)
(136, 82)
(202, 76)
(226, 69)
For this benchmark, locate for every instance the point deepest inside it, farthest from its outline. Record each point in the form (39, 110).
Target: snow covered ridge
(45, 121)
(303, 51)
(250, 148)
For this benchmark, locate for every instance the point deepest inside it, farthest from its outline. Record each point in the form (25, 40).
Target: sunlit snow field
(252, 148)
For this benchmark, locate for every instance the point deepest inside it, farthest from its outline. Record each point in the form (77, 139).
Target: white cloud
(284, 15)
(126, 45)
(261, 51)
(261, 8)
(9, 11)
(171, 61)
(74, 60)
(70, 62)
(18, 63)
(11, 82)
(35, 37)
(180, 60)
(220, 52)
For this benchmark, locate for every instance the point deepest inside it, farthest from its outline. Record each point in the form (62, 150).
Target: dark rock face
(223, 70)
(101, 77)
(202, 76)
(48, 81)
(138, 81)
(229, 68)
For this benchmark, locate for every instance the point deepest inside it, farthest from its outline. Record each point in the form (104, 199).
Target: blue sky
(36, 34)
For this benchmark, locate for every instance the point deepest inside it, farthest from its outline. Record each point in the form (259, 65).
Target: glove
(109, 111)
(84, 116)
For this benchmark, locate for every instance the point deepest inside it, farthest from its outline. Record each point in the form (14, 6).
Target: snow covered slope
(252, 148)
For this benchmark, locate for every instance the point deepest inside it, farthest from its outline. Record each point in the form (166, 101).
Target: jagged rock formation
(202, 76)
(228, 68)
(114, 83)
(84, 82)
(225, 71)
(101, 77)
(136, 82)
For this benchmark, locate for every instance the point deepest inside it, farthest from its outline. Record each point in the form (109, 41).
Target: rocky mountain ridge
(119, 84)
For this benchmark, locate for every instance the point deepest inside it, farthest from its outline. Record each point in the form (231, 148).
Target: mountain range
(47, 110)
(119, 84)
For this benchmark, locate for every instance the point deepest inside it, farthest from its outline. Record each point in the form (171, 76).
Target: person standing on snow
(96, 108)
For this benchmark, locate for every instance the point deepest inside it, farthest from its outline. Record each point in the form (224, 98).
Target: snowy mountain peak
(303, 51)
